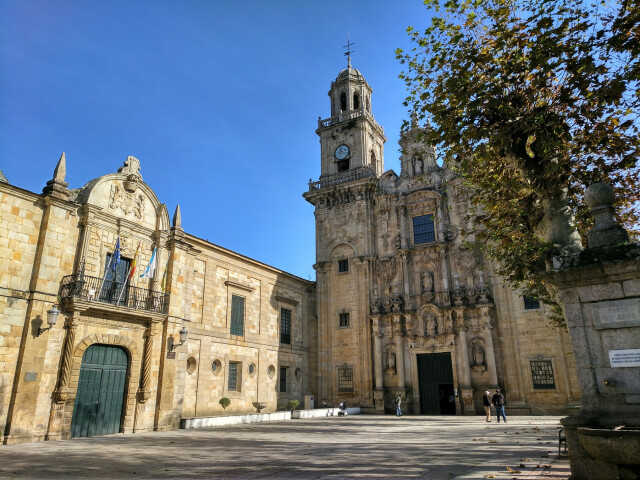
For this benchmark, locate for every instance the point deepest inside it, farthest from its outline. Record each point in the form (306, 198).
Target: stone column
(405, 271)
(377, 350)
(61, 393)
(398, 337)
(402, 211)
(465, 390)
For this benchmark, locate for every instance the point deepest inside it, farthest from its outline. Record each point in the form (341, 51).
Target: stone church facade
(404, 306)
(399, 306)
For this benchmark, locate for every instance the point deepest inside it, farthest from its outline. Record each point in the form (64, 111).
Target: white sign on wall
(625, 358)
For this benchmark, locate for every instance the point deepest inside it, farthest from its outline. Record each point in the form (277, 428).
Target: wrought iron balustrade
(95, 289)
(337, 179)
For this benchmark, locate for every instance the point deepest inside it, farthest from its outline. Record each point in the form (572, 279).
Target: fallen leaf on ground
(489, 476)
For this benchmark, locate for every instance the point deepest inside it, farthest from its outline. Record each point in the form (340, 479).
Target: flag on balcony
(151, 268)
(134, 263)
(115, 259)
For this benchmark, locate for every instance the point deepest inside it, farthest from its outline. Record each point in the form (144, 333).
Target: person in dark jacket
(486, 401)
(498, 402)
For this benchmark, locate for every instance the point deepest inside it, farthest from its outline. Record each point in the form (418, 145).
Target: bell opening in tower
(343, 165)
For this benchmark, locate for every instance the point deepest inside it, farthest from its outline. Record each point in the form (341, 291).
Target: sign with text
(617, 313)
(625, 358)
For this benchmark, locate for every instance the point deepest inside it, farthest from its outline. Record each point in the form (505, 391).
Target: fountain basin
(259, 406)
(620, 446)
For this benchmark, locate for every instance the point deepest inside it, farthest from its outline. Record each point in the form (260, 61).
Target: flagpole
(132, 265)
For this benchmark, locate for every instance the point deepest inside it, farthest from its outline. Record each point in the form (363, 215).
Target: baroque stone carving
(128, 202)
(386, 268)
(467, 260)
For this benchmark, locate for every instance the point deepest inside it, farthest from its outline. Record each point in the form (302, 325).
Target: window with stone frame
(237, 315)
(344, 319)
(283, 379)
(423, 229)
(343, 266)
(285, 326)
(542, 375)
(233, 380)
(531, 303)
(345, 379)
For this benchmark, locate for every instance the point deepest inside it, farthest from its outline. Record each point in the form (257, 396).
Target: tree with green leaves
(530, 102)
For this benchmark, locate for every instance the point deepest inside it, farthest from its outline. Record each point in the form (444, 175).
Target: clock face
(342, 152)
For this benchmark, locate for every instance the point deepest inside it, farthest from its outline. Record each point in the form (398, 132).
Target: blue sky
(219, 100)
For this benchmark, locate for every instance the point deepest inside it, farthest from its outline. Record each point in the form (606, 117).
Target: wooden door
(435, 382)
(100, 394)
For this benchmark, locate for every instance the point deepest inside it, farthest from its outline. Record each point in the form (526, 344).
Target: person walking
(499, 402)
(398, 404)
(486, 401)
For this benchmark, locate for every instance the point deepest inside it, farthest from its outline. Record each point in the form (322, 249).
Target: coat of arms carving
(128, 202)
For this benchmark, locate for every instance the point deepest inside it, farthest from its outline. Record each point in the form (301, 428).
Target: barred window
(343, 266)
(531, 303)
(285, 326)
(542, 374)
(423, 229)
(237, 315)
(344, 319)
(345, 379)
(232, 384)
(283, 379)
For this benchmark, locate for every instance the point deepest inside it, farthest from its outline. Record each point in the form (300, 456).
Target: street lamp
(183, 338)
(52, 318)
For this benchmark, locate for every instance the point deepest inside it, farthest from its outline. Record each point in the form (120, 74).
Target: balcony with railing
(348, 116)
(101, 291)
(343, 177)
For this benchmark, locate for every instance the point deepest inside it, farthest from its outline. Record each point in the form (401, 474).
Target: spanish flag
(134, 263)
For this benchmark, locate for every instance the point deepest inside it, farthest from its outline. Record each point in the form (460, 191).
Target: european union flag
(116, 255)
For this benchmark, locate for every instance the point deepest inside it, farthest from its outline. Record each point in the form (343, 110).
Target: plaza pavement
(332, 448)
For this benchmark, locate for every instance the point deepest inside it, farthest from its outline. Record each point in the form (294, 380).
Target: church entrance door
(100, 395)
(435, 382)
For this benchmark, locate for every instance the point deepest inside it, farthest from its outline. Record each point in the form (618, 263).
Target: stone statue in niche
(431, 326)
(478, 354)
(418, 166)
(391, 363)
(427, 282)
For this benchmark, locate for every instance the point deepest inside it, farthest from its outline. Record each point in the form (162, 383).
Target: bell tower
(350, 140)
(351, 161)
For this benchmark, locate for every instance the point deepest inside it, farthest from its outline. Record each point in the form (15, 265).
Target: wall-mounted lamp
(52, 318)
(183, 338)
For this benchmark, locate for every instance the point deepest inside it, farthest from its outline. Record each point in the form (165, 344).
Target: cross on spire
(349, 51)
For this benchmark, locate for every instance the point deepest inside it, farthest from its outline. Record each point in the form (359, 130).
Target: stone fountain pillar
(599, 291)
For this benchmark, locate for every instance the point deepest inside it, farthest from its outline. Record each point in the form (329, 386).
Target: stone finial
(600, 197)
(57, 187)
(3, 179)
(131, 167)
(177, 218)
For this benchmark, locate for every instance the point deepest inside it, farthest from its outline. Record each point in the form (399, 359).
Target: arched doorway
(100, 395)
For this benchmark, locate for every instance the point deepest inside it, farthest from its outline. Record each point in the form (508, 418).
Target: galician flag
(134, 263)
(151, 268)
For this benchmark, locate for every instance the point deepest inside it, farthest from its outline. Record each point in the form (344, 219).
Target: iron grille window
(531, 303)
(232, 385)
(423, 229)
(285, 326)
(345, 379)
(542, 374)
(283, 379)
(344, 319)
(343, 266)
(237, 315)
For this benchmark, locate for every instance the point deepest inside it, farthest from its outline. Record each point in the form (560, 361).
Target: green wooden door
(435, 381)
(100, 395)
